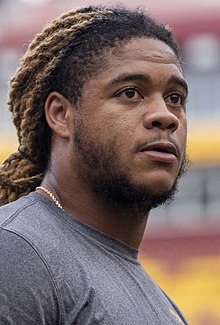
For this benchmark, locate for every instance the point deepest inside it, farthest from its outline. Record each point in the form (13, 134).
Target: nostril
(156, 124)
(171, 126)
(161, 120)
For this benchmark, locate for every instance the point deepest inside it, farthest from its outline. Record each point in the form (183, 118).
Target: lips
(165, 152)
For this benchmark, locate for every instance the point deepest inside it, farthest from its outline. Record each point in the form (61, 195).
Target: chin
(159, 182)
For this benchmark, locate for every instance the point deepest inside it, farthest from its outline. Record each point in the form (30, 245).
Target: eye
(175, 99)
(129, 93)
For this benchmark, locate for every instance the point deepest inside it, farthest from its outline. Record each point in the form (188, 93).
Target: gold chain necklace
(51, 195)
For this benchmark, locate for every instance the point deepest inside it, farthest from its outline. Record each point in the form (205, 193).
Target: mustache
(140, 145)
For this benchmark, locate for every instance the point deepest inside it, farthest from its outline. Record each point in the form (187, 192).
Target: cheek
(182, 138)
(124, 128)
(119, 137)
(184, 132)
(119, 127)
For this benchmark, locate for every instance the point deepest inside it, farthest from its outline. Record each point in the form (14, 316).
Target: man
(99, 106)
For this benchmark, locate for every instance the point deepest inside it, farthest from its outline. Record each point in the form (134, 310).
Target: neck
(120, 223)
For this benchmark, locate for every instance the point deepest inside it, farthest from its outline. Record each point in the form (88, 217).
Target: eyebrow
(173, 80)
(128, 77)
(178, 81)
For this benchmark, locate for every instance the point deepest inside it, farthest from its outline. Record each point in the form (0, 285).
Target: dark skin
(135, 105)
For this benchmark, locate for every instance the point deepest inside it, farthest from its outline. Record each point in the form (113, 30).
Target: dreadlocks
(61, 58)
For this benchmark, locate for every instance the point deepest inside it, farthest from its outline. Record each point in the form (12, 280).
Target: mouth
(165, 152)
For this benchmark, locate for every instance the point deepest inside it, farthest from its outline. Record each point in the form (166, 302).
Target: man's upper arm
(27, 292)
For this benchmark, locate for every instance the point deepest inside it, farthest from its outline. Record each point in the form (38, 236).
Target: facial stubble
(112, 182)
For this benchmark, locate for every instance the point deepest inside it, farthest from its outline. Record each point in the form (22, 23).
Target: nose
(159, 116)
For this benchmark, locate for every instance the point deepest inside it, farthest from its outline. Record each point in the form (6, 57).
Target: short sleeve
(27, 292)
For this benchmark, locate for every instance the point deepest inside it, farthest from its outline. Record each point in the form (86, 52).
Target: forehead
(139, 55)
(149, 49)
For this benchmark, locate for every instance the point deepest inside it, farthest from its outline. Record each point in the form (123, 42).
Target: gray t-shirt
(54, 269)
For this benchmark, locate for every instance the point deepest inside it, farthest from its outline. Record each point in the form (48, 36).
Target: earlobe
(58, 112)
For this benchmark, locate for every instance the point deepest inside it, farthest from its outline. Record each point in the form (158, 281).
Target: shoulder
(11, 209)
(42, 254)
(33, 218)
(27, 291)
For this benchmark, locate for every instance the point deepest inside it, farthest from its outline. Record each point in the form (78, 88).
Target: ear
(59, 114)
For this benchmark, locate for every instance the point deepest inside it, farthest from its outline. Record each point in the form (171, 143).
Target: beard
(112, 182)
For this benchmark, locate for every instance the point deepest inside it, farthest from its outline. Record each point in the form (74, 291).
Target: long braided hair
(61, 58)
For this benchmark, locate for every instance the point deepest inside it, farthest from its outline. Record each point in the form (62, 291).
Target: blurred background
(181, 247)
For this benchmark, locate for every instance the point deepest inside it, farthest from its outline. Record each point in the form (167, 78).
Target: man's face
(130, 134)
